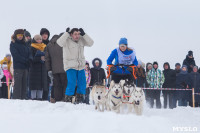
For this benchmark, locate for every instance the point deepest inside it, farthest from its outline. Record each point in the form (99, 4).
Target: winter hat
(7, 55)
(184, 66)
(195, 67)
(96, 61)
(27, 34)
(177, 64)
(123, 41)
(44, 31)
(155, 62)
(190, 53)
(19, 31)
(87, 63)
(149, 65)
(37, 37)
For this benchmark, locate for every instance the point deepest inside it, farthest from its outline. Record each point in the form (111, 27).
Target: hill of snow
(18, 116)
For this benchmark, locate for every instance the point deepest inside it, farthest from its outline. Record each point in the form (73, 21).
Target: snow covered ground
(43, 117)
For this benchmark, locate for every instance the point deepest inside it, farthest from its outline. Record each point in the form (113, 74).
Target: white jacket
(73, 52)
(1, 75)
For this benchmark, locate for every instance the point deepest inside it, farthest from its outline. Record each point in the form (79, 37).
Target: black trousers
(168, 99)
(20, 86)
(60, 85)
(118, 77)
(155, 95)
(4, 89)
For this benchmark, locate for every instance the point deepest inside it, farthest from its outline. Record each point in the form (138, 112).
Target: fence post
(8, 88)
(193, 98)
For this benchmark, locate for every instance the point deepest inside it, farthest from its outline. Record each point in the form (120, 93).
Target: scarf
(39, 46)
(140, 72)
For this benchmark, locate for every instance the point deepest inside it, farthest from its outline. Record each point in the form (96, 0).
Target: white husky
(138, 99)
(98, 96)
(114, 96)
(127, 99)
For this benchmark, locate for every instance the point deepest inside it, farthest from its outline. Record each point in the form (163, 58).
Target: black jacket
(170, 77)
(38, 72)
(21, 54)
(181, 83)
(190, 63)
(97, 73)
(141, 80)
(194, 82)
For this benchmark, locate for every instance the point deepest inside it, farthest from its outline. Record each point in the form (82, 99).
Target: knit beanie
(37, 37)
(27, 34)
(123, 41)
(155, 62)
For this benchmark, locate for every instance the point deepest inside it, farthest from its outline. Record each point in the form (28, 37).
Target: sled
(112, 68)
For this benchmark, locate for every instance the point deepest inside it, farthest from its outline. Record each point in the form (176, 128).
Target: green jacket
(155, 78)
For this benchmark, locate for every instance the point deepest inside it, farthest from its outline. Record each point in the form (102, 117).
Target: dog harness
(116, 97)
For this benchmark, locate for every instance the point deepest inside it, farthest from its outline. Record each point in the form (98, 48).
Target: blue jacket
(21, 54)
(114, 55)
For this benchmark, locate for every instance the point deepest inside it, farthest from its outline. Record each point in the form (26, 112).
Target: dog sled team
(122, 93)
(122, 97)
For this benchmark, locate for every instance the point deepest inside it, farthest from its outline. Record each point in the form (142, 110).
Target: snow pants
(75, 78)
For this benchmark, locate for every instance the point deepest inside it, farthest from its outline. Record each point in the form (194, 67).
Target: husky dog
(127, 100)
(114, 96)
(138, 100)
(98, 96)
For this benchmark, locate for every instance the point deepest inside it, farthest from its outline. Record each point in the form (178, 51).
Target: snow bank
(43, 117)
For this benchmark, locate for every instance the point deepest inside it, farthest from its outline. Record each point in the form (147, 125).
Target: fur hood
(100, 63)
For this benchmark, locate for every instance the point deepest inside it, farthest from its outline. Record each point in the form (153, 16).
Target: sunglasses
(20, 35)
(122, 45)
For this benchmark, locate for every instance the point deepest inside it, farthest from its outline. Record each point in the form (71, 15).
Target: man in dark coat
(177, 68)
(44, 32)
(55, 67)
(182, 83)
(189, 61)
(170, 82)
(21, 58)
(194, 82)
(97, 73)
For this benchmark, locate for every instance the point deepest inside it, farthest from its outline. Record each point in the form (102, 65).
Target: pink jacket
(8, 76)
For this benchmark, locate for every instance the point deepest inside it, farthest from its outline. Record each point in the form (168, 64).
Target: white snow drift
(43, 117)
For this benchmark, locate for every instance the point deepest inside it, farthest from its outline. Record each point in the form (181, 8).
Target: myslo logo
(185, 129)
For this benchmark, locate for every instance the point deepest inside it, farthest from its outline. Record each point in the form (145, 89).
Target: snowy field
(43, 117)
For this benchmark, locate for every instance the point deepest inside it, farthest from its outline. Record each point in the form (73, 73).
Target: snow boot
(79, 98)
(68, 98)
(52, 100)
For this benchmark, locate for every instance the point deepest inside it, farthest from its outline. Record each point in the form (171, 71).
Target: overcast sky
(159, 30)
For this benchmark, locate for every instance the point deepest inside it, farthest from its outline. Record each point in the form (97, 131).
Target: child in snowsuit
(88, 79)
(6, 79)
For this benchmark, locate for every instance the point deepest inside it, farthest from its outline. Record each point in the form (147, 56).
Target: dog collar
(116, 97)
(124, 96)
